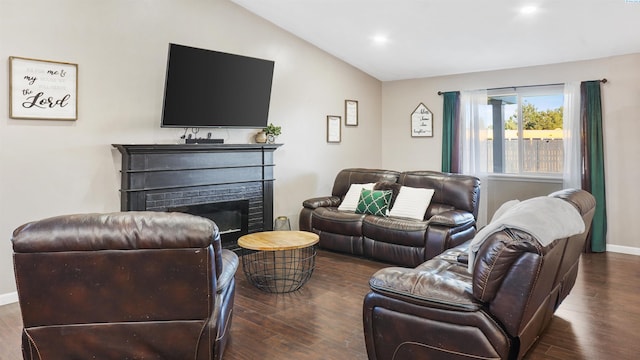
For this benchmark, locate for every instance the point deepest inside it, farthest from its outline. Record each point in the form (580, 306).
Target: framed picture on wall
(41, 89)
(421, 122)
(351, 113)
(334, 131)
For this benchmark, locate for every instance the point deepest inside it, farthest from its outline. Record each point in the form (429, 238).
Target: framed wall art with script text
(421, 122)
(40, 89)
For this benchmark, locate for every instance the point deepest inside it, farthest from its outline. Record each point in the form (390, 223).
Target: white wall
(49, 168)
(621, 118)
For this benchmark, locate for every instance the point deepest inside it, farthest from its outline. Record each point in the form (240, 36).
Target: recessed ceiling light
(528, 10)
(380, 39)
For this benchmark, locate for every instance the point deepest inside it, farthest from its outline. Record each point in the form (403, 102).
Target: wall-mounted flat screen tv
(206, 88)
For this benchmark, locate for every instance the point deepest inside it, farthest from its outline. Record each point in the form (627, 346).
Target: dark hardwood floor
(323, 320)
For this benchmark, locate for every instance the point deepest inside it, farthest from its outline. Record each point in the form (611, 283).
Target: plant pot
(261, 137)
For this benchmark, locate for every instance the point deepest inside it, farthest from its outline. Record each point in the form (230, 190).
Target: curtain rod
(604, 81)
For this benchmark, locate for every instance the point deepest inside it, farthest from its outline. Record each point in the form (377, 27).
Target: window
(525, 132)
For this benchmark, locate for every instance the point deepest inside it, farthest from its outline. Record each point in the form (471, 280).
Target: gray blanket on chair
(545, 218)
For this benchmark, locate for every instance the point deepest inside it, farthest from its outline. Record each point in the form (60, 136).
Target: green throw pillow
(374, 202)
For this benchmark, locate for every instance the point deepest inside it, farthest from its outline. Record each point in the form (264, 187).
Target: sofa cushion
(437, 208)
(440, 283)
(346, 177)
(457, 191)
(374, 202)
(400, 231)
(351, 198)
(412, 203)
(338, 222)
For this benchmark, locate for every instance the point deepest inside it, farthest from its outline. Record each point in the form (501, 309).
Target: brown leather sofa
(448, 221)
(439, 310)
(133, 285)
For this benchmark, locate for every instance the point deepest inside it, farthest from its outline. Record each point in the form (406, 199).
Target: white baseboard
(8, 298)
(623, 249)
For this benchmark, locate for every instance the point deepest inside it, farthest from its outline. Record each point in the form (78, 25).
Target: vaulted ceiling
(404, 39)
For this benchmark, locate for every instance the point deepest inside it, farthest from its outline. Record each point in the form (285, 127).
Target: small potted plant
(272, 132)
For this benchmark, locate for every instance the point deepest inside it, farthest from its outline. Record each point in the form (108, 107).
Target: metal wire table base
(279, 271)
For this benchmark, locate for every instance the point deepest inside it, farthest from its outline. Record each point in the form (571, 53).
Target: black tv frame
(213, 89)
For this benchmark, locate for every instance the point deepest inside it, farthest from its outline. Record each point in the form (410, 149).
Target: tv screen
(206, 88)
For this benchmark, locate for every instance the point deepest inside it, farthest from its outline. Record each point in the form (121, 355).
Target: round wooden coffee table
(278, 261)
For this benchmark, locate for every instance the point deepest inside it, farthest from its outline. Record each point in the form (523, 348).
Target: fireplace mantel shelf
(133, 148)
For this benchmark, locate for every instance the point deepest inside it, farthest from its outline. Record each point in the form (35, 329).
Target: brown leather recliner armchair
(439, 310)
(131, 285)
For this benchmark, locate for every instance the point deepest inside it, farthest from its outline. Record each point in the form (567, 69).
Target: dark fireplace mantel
(166, 177)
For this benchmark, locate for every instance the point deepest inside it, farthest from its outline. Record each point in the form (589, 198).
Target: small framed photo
(40, 89)
(421, 122)
(351, 112)
(334, 130)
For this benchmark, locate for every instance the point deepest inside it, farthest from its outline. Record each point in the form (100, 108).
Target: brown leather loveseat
(448, 221)
(439, 310)
(132, 285)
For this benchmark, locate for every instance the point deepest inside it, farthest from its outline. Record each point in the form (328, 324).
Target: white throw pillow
(412, 202)
(350, 201)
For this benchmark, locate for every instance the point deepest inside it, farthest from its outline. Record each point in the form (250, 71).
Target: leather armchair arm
(452, 218)
(229, 266)
(436, 284)
(324, 201)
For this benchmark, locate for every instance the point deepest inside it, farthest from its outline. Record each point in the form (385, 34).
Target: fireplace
(232, 218)
(227, 183)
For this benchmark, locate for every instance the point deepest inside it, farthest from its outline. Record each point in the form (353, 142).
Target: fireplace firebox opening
(231, 217)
